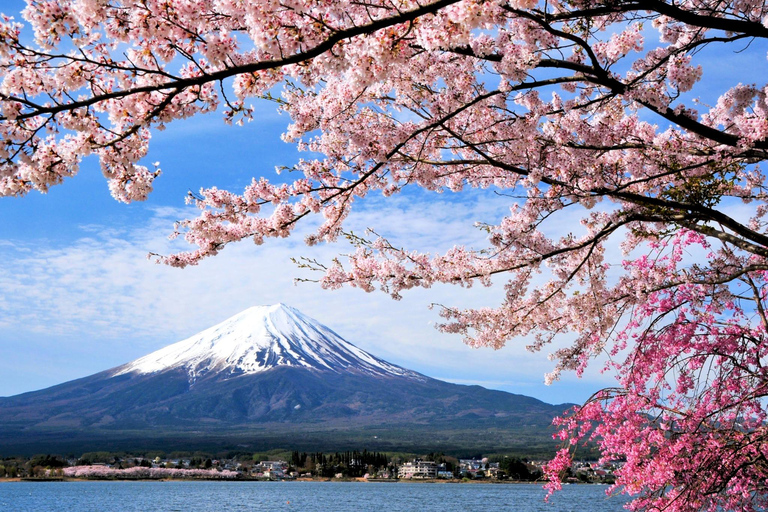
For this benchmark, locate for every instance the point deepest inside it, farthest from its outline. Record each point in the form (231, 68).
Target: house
(274, 474)
(272, 469)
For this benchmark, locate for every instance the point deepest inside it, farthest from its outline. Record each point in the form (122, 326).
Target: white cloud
(100, 303)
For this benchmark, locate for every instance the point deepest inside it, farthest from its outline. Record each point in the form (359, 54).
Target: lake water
(300, 496)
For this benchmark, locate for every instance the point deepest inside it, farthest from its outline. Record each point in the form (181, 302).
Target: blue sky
(78, 296)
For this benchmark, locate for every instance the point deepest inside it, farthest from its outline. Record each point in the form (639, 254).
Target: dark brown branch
(750, 28)
(182, 83)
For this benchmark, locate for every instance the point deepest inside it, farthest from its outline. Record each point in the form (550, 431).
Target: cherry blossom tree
(142, 473)
(590, 109)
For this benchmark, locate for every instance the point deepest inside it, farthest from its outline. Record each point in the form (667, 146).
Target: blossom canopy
(595, 108)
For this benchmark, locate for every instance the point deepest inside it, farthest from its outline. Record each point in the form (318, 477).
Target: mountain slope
(267, 369)
(261, 338)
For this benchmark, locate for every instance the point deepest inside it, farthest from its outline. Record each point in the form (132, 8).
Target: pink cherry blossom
(143, 473)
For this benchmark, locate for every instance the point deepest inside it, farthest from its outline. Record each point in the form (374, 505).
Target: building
(272, 469)
(418, 469)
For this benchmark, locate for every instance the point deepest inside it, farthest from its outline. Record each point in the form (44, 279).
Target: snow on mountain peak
(261, 338)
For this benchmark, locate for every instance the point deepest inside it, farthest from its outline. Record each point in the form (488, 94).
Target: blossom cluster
(142, 473)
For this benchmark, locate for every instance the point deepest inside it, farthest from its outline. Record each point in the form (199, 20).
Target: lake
(190, 496)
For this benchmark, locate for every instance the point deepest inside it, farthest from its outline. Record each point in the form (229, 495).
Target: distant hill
(270, 377)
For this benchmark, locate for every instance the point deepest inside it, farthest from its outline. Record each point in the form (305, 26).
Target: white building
(418, 469)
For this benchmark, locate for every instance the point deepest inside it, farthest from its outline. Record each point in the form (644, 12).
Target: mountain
(258, 340)
(268, 375)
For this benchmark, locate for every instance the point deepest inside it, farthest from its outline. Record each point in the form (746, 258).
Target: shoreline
(247, 479)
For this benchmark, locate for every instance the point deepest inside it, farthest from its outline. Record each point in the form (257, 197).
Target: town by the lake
(341, 466)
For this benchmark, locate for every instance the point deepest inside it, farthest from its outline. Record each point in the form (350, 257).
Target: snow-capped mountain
(259, 339)
(269, 376)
